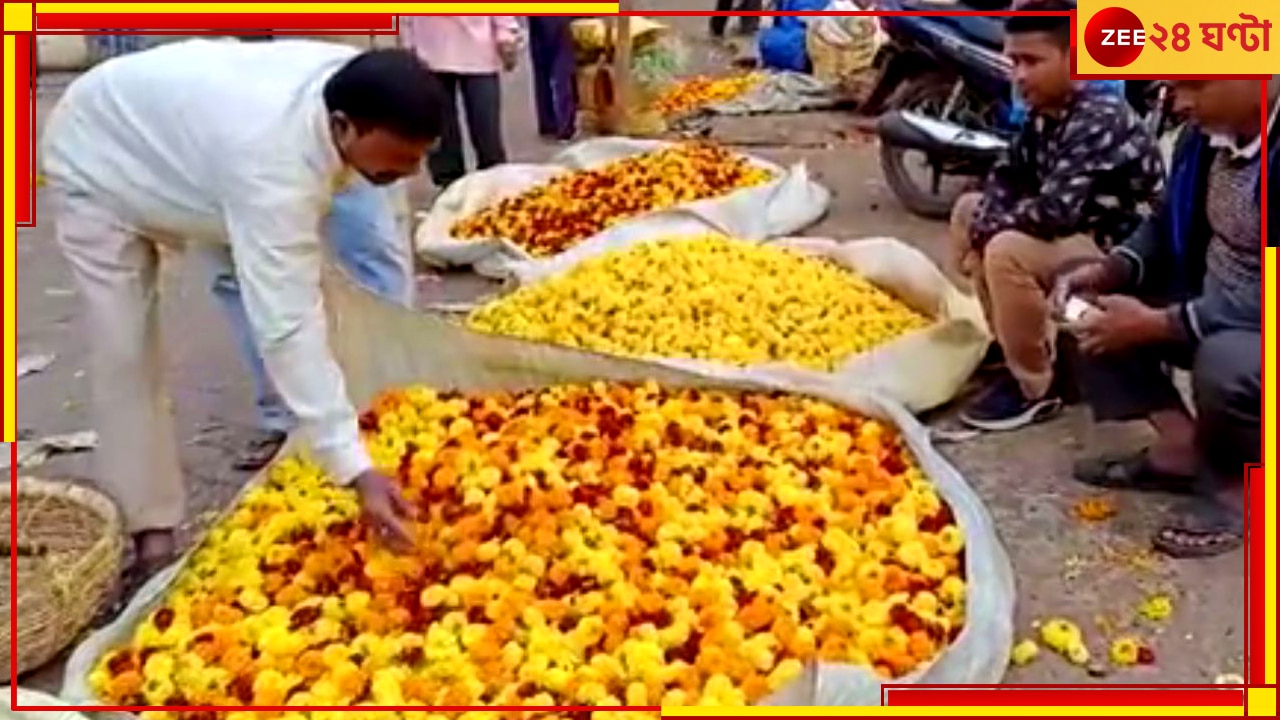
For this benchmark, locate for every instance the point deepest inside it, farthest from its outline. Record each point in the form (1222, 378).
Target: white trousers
(116, 268)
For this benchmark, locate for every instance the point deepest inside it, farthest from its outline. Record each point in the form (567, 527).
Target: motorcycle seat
(986, 31)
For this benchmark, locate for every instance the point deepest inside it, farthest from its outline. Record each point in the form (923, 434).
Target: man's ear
(341, 124)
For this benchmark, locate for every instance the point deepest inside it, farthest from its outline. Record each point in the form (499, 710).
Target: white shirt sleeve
(273, 214)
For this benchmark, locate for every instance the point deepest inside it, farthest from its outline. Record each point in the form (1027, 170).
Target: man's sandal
(260, 451)
(1208, 529)
(1132, 472)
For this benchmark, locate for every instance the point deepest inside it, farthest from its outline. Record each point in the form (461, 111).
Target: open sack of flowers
(398, 363)
(512, 216)
(68, 554)
(874, 313)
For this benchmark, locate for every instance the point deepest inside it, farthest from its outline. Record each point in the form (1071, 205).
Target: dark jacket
(1094, 169)
(1169, 250)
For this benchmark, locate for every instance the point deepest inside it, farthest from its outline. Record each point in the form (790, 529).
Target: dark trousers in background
(482, 104)
(746, 25)
(1226, 384)
(554, 87)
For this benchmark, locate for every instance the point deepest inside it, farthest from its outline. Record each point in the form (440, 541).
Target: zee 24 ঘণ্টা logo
(1115, 37)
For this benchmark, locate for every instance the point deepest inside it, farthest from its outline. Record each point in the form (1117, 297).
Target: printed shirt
(1094, 169)
(220, 141)
(464, 44)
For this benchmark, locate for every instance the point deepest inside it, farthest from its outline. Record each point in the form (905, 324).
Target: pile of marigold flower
(698, 92)
(603, 545)
(709, 298)
(571, 207)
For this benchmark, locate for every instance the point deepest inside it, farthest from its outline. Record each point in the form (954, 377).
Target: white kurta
(205, 141)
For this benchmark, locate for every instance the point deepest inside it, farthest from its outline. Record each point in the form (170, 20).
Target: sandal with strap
(1132, 472)
(260, 451)
(1209, 529)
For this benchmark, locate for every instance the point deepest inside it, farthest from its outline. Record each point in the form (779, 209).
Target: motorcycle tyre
(917, 201)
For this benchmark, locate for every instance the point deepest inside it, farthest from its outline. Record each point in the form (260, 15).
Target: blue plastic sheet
(782, 45)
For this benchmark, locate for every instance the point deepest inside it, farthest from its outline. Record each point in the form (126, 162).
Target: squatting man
(215, 142)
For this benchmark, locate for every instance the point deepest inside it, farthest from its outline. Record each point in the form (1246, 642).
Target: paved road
(1092, 574)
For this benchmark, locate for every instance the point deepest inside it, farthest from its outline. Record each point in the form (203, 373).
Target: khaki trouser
(1012, 277)
(117, 271)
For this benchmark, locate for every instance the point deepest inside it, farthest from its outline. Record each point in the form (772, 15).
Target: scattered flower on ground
(691, 94)
(1094, 509)
(1064, 637)
(1156, 608)
(1124, 651)
(1024, 652)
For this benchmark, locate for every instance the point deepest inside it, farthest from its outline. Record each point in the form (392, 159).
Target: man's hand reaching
(1087, 280)
(385, 510)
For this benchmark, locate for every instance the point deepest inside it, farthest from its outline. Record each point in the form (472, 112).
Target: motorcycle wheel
(927, 95)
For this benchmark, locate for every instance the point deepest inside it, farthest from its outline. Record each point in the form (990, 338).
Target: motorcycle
(945, 92)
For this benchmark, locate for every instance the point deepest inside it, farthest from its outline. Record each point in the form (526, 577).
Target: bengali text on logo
(1116, 37)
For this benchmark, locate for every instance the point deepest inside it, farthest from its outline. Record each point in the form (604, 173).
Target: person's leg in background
(720, 22)
(749, 24)
(1136, 385)
(1018, 271)
(370, 245)
(275, 421)
(116, 270)
(539, 56)
(1226, 382)
(482, 103)
(447, 160)
(554, 67)
(564, 67)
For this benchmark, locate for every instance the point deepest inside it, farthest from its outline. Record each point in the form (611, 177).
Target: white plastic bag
(783, 206)
(34, 698)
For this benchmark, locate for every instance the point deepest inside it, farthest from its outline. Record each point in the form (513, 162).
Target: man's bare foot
(153, 551)
(1174, 451)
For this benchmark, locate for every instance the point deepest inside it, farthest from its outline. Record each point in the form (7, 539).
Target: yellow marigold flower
(1156, 608)
(1124, 651)
(1024, 652)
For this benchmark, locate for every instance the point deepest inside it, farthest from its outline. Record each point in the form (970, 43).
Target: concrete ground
(1093, 574)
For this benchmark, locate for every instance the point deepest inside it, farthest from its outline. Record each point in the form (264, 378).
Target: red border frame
(170, 23)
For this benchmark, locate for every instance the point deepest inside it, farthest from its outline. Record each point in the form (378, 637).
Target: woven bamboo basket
(69, 550)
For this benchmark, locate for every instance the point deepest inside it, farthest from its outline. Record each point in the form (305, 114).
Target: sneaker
(1002, 407)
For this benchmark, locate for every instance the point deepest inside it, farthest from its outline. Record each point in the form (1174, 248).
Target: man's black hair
(1056, 26)
(389, 89)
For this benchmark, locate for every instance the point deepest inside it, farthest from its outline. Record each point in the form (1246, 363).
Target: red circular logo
(1114, 37)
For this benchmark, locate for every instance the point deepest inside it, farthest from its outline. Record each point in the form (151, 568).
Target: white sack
(783, 206)
(922, 370)
(383, 346)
